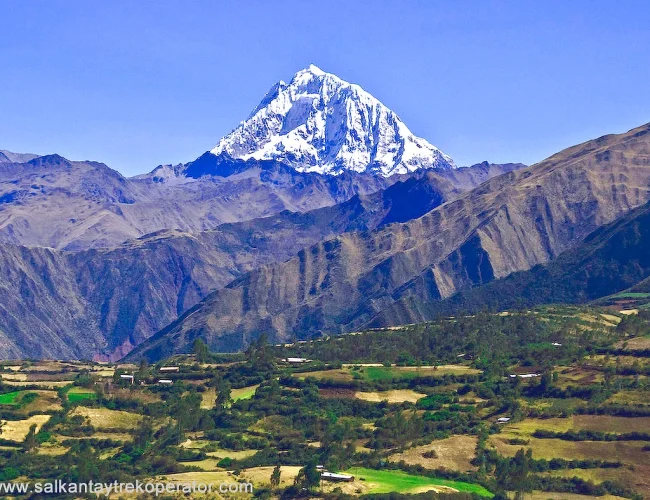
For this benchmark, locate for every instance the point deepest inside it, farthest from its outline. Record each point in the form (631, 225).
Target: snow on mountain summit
(320, 123)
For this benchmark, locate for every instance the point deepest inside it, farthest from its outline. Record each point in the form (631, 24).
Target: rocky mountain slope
(510, 223)
(320, 123)
(101, 302)
(612, 259)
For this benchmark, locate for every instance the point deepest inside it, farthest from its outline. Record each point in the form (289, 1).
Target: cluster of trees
(483, 336)
(587, 435)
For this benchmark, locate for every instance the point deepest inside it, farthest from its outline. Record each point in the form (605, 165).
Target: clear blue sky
(139, 83)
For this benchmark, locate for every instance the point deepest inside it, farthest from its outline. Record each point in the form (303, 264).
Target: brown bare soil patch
(453, 453)
(337, 393)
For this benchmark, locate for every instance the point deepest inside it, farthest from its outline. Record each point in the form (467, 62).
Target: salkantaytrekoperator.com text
(115, 488)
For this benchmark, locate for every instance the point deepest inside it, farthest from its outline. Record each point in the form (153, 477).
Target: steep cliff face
(510, 223)
(102, 302)
(35, 283)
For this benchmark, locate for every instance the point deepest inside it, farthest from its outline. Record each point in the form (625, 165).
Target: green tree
(275, 477)
(308, 477)
(520, 478)
(30, 441)
(143, 433)
(223, 394)
(143, 370)
(201, 351)
(260, 355)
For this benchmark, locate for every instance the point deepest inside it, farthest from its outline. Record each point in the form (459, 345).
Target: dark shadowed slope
(612, 259)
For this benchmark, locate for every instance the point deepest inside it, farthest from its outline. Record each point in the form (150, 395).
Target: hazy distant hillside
(103, 302)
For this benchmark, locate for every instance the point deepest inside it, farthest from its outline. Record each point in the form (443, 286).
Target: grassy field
(636, 478)
(208, 399)
(243, 393)
(637, 343)
(394, 396)
(633, 397)
(16, 430)
(14, 377)
(258, 476)
(387, 481)
(207, 464)
(631, 295)
(576, 375)
(80, 394)
(604, 423)
(374, 373)
(343, 375)
(545, 495)
(33, 401)
(630, 452)
(103, 418)
(235, 455)
(45, 384)
(10, 398)
(453, 453)
(218, 454)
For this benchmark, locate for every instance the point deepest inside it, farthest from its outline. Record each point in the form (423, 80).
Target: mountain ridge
(54, 202)
(320, 123)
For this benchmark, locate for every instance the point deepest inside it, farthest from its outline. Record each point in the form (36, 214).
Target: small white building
(503, 420)
(127, 377)
(296, 361)
(335, 477)
(556, 344)
(169, 368)
(526, 375)
(164, 381)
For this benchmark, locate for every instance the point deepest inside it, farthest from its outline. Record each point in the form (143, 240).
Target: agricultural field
(406, 411)
(243, 393)
(208, 398)
(394, 396)
(80, 394)
(16, 430)
(376, 373)
(105, 419)
(386, 481)
(453, 453)
(10, 398)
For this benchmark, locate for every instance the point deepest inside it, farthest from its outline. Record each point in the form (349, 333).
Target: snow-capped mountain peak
(320, 123)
